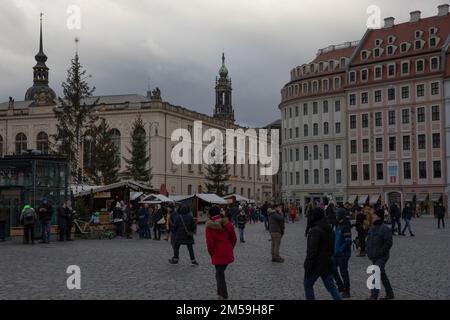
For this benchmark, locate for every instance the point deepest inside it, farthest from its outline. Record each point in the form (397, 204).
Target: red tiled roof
(405, 32)
(334, 55)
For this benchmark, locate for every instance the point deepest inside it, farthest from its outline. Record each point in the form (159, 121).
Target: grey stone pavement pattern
(139, 269)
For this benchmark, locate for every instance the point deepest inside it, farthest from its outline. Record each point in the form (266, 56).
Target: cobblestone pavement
(138, 269)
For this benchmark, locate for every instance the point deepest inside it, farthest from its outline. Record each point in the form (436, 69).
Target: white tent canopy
(156, 198)
(362, 198)
(239, 198)
(374, 198)
(181, 198)
(211, 198)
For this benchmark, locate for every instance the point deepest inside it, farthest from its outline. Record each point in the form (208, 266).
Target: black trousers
(119, 228)
(28, 233)
(396, 220)
(69, 232)
(362, 239)
(439, 222)
(176, 251)
(220, 278)
(157, 231)
(62, 233)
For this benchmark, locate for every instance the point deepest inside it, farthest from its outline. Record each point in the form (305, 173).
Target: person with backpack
(220, 241)
(28, 218)
(241, 222)
(45, 213)
(184, 229)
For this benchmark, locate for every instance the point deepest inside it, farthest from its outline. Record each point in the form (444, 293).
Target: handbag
(161, 221)
(189, 233)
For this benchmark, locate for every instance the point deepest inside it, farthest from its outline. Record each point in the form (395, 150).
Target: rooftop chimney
(389, 22)
(415, 16)
(443, 10)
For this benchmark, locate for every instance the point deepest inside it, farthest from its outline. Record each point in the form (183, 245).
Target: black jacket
(62, 217)
(379, 242)
(440, 212)
(184, 232)
(241, 221)
(320, 249)
(395, 211)
(276, 223)
(407, 213)
(45, 213)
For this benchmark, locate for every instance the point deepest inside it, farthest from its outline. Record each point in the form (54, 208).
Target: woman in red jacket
(220, 240)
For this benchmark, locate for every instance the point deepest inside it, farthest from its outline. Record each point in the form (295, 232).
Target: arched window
(42, 142)
(326, 176)
(1, 146)
(115, 137)
(326, 128)
(21, 143)
(305, 130)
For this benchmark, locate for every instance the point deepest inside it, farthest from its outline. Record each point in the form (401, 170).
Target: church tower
(224, 108)
(40, 92)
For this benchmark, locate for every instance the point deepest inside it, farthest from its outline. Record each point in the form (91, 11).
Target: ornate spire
(40, 92)
(224, 108)
(223, 71)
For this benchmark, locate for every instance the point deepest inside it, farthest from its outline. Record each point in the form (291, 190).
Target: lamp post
(151, 125)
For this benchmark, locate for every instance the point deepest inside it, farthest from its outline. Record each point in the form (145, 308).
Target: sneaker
(194, 262)
(173, 261)
(412, 235)
(345, 294)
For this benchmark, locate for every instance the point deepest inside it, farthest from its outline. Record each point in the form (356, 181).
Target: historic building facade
(29, 124)
(396, 128)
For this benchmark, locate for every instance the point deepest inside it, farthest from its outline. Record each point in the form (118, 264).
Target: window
(377, 95)
(353, 122)
(392, 144)
(405, 68)
(305, 153)
(352, 76)
(189, 189)
(403, 47)
(378, 72)
(325, 85)
(337, 83)
(315, 108)
(337, 127)
(379, 171)
(354, 172)
(435, 88)
(406, 143)
(376, 52)
(434, 63)
(296, 111)
(316, 152)
(297, 132)
(366, 172)
(405, 92)
(379, 144)
(365, 144)
(305, 130)
(391, 117)
(365, 120)
(337, 106)
(306, 176)
(405, 116)
(21, 143)
(406, 170)
(419, 66)
(353, 99)
(390, 50)
(326, 152)
(290, 113)
(421, 114)
(364, 97)
(326, 176)
(297, 178)
(364, 75)
(436, 140)
(326, 128)
(291, 176)
(42, 142)
(437, 169)
(421, 141)
(291, 158)
(315, 129)
(422, 169)
(338, 151)
(315, 86)
(297, 154)
(305, 88)
(1, 146)
(391, 70)
(325, 106)
(420, 89)
(391, 94)
(378, 119)
(338, 176)
(435, 113)
(364, 55)
(305, 109)
(290, 133)
(432, 41)
(353, 148)
(316, 176)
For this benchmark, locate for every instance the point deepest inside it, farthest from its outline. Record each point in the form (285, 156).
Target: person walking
(330, 213)
(4, 216)
(142, 220)
(395, 215)
(158, 220)
(293, 212)
(184, 229)
(265, 215)
(28, 218)
(62, 221)
(118, 219)
(361, 231)
(45, 213)
(440, 215)
(308, 211)
(129, 217)
(220, 242)
(276, 228)
(171, 224)
(69, 221)
(379, 244)
(241, 222)
(407, 215)
(342, 252)
(319, 254)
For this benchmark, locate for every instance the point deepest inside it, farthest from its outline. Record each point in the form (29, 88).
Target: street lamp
(150, 127)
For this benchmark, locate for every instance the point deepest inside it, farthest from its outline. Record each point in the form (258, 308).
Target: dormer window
(433, 31)
(433, 41)
(404, 47)
(391, 39)
(390, 50)
(419, 34)
(331, 64)
(418, 44)
(321, 67)
(378, 42)
(352, 76)
(304, 69)
(434, 63)
(364, 75)
(364, 55)
(376, 52)
(312, 68)
(342, 62)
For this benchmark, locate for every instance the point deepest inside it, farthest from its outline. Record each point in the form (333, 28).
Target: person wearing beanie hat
(319, 255)
(379, 244)
(342, 252)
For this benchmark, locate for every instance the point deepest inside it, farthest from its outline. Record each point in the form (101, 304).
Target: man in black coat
(62, 221)
(184, 230)
(319, 255)
(440, 214)
(379, 244)
(395, 214)
(45, 213)
(407, 215)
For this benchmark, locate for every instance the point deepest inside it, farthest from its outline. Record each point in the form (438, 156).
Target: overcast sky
(177, 44)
